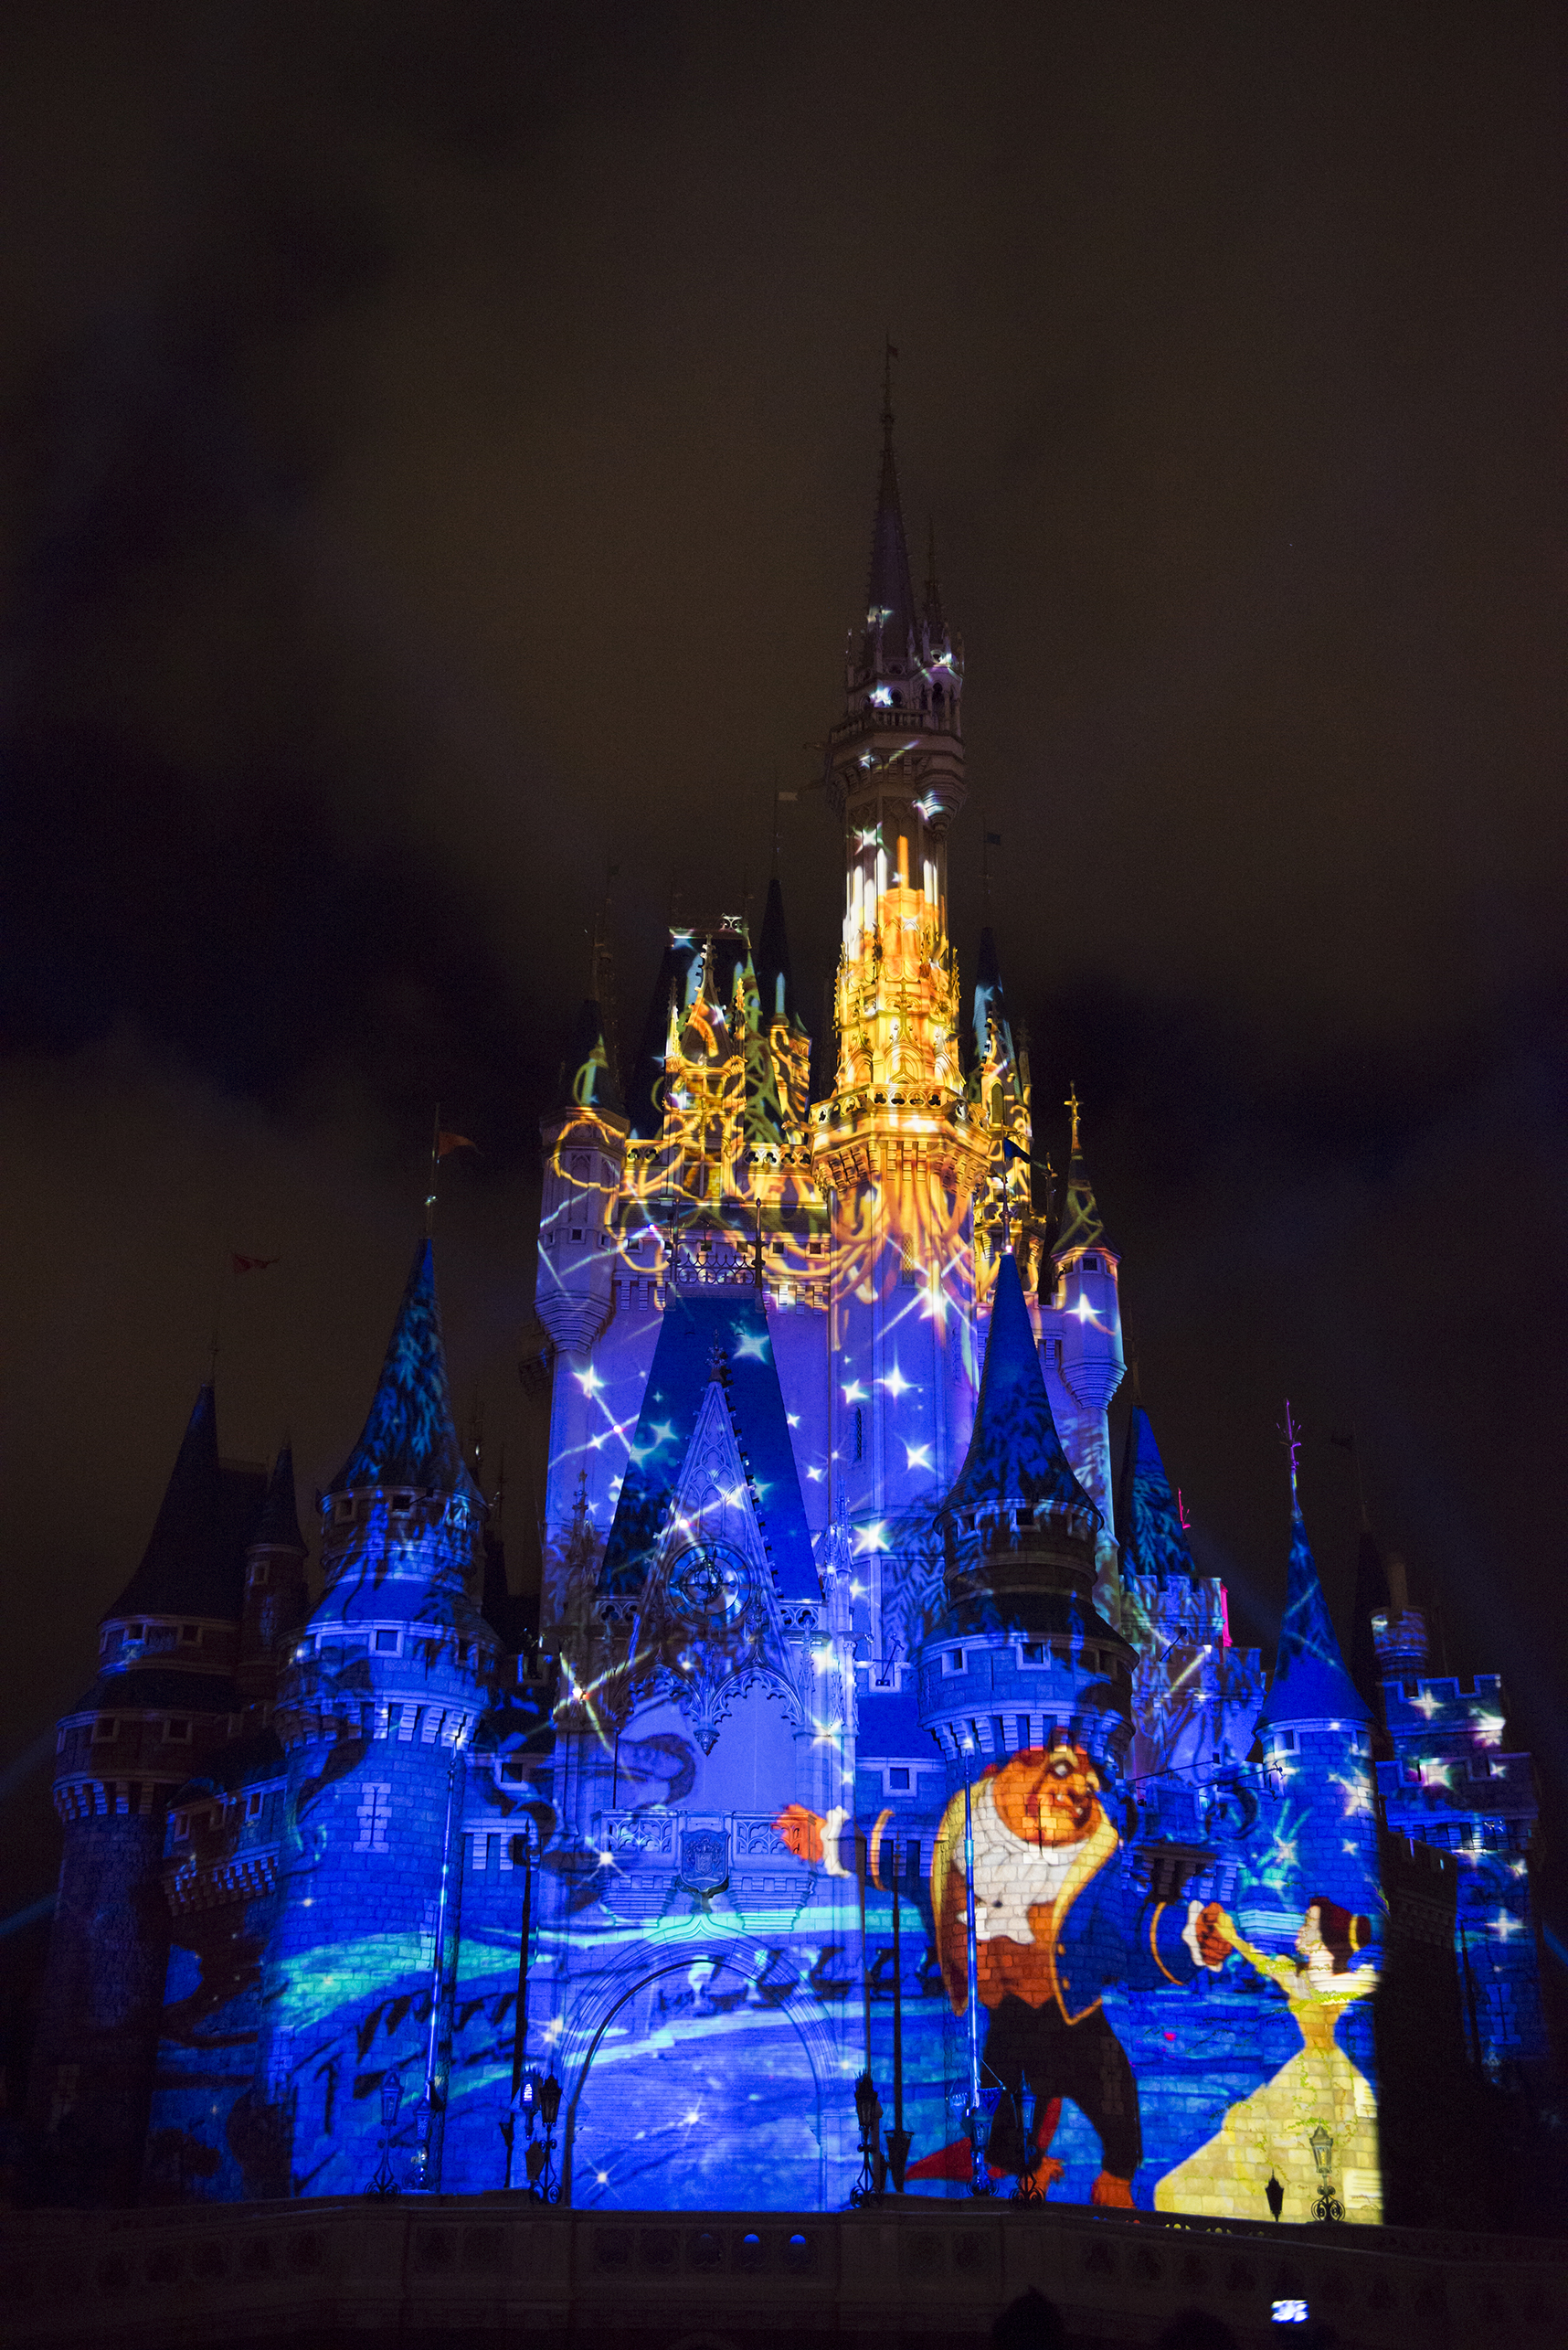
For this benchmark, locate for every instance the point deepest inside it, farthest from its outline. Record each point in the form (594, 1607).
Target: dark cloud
(439, 456)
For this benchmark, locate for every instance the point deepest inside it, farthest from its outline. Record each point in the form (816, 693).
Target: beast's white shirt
(1013, 1875)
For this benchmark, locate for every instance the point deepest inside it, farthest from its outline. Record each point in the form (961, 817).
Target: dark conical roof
(990, 1001)
(1153, 1539)
(934, 618)
(645, 1104)
(890, 592)
(775, 981)
(1015, 1454)
(1310, 1682)
(195, 1560)
(587, 1078)
(278, 1528)
(1373, 1597)
(1081, 1227)
(409, 1438)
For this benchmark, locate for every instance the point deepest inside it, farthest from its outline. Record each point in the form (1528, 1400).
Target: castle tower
(1080, 1329)
(1453, 1786)
(275, 1595)
(584, 1137)
(1021, 1657)
(375, 1715)
(164, 1699)
(1315, 1734)
(1195, 1695)
(999, 1094)
(898, 1144)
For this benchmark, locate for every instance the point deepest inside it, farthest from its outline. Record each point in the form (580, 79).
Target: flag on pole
(239, 1264)
(447, 1143)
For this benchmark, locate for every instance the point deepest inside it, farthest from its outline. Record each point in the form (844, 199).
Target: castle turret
(1315, 1733)
(1080, 1329)
(162, 1701)
(374, 1714)
(275, 1595)
(1021, 1657)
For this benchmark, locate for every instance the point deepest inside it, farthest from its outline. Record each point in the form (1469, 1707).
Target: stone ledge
(429, 2268)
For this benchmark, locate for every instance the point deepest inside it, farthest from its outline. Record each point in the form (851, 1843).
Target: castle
(880, 1792)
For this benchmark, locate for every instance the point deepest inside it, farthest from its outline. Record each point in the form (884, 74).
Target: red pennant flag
(447, 1143)
(238, 1264)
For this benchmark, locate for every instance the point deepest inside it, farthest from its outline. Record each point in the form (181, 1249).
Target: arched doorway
(696, 2092)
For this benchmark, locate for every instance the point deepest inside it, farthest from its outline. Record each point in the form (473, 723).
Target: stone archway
(691, 2093)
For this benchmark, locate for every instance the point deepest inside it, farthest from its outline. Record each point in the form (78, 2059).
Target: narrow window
(859, 1433)
(386, 1642)
(898, 1778)
(179, 1729)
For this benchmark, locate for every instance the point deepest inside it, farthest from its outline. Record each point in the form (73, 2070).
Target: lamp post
(542, 2095)
(899, 2140)
(977, 2117)
(1328, 2206)
(1274, 2195)
(383, 2182)
(867, 2188)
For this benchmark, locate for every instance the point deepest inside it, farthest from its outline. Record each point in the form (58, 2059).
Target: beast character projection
(872, 1722)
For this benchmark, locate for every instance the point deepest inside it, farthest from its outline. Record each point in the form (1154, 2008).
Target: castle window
(1091, 1264)
(179, 1729)
(402, 1504)
(1032, 1652)
(190, 1634)
(953, 1660)
(182, 1827)
(105, 1729)
(253, 1804)
(909, 1271)
(578, 1232)
(386, 1642)
(342, 1511)
(859, 1433)
(579, 1166)
(260, 1571)
(898, 1778)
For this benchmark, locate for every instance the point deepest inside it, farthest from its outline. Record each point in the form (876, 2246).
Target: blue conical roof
(1015, 1453)
(409, 1438)
(1310, 1682)
(1153, 1539)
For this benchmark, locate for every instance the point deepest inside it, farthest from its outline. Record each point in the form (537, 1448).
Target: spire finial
(1081, 1225)
(1290, 1436)
(889, 353)
(1073, 1105)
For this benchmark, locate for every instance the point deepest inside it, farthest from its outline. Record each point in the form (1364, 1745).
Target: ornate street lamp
(977, 2122)
(868, 2187)
(1328, 2206)
(542, 2094)
(383, 2183)
(1274, 2195)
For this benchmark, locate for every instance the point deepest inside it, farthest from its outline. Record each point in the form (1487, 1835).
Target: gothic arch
(601, 1999)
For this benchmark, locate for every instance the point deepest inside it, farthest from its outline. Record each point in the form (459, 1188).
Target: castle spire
(990, 1003)
(1309, 1683)
(587, 1078)
(1081, 1226)
(890, 592)
(410, 1437)
(278, 1528)
(186, 1568)
(1015, 1456)
(933, 616)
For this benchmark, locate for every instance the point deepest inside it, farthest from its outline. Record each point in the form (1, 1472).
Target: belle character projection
(1269, 2134)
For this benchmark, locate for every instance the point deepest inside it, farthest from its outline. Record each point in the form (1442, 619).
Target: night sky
(439, 453)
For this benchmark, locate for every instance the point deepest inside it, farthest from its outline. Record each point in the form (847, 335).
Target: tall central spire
(895, 771)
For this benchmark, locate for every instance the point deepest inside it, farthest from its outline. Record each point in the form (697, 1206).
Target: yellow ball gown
(1271, 2131)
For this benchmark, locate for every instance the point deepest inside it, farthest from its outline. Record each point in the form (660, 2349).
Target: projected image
(1313, 2127)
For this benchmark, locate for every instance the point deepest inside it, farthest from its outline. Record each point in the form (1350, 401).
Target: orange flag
(447, 1143)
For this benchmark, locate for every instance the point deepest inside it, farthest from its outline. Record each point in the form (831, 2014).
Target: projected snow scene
(878, 1797)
